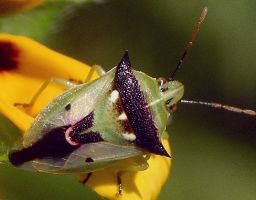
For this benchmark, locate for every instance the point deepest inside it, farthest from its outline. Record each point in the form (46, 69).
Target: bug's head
(172, 92)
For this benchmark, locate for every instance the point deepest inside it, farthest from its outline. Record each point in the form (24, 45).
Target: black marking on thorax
(88, 137)
(135, 106)
(84, 124)
(53, 144)
(78, 131)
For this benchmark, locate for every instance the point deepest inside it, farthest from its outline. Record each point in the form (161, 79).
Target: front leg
(95, 68)
(58, 81)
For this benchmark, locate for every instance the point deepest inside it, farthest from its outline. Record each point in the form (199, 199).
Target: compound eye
(161, 81)
(172, 107)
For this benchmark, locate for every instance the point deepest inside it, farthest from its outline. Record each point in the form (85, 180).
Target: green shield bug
(121, 115)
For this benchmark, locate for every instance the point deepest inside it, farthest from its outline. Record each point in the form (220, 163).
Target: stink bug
(92, 126)
(122, 114)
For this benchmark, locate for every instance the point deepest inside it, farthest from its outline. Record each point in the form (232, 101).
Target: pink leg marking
(68, 138)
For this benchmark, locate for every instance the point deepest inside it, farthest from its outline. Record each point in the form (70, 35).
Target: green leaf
(34, 23)
(9, 136)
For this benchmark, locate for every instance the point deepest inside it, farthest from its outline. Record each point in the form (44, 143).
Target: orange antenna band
(190, 43)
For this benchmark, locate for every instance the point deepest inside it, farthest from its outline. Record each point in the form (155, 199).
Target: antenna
(190, 43)
(221, 106)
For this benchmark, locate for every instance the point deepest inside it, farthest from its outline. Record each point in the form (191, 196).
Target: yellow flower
(10, 6)
(24, 66)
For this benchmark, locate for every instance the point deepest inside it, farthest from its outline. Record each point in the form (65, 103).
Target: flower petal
(8, 7)
(24, 66)
(142, 185)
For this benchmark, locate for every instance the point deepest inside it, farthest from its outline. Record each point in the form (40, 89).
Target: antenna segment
(221, 106)
(190, 43)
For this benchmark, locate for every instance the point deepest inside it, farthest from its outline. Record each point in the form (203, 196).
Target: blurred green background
(213, 151)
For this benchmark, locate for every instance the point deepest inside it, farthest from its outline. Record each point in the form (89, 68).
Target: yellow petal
(10, 6)
(24, 66)
(142, 185)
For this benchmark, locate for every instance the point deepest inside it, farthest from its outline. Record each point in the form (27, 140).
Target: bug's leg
(136, 164)
(60, 82)
(86, 178)
(119, 183)
(94, 68)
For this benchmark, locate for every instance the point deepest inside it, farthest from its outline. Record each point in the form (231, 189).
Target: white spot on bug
(68, 138)
(123, 116)
(114, 96)
(129, 136)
